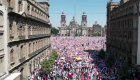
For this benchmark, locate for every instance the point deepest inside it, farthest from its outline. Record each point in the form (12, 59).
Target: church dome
(73, 19)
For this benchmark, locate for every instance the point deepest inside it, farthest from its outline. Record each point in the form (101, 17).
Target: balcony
(38, 36)
(22, 60)
(37, 19)
(38, 51)
(21, 37)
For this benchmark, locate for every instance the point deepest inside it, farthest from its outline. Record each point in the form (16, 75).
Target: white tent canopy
(62, 58)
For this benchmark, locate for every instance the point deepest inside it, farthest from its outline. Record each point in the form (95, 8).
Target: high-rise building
(24, 37)
(123, 39)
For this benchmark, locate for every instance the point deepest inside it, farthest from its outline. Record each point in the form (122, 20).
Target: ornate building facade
(97, 28)
(74, 28)
(25, 35)
(123, 30)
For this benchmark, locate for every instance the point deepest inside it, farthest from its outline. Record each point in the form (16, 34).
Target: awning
(13, 76)
(78, 58)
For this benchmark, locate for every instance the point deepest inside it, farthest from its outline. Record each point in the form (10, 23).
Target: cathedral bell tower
(84, 20)
(63, 20)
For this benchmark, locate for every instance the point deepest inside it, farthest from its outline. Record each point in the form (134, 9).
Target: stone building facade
(97, 28)
(74, 28)
(122, 30)
(103, 34)
(27, 38)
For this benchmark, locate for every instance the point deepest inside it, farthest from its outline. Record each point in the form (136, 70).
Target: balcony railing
(38, 51)
(22, 59)
(38, 35)
(35, 18)
(22, 37)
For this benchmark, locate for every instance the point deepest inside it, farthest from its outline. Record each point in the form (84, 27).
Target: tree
(54, 31)
(123, 71)
(96, 34)
(52, 61)
(76, 34)
(111, 60)
(47, 67)
(101, 54)
(55, 54)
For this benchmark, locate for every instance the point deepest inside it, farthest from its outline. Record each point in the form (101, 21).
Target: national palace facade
(25, 32)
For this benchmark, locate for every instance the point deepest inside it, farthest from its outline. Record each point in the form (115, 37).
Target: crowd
(78, 61)
(74, 63)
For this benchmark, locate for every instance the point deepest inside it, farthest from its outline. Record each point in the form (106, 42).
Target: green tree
(101, 54)
(54, 53)
(123, 71)
(54, 31)
(76, 34)
(52, 61)
(111, 60)
(47, 67)
(96, 34)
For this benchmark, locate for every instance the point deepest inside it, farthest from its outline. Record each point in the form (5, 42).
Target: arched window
(28, 8)
(20, 6)
(10, 30)
(33, 47)
(12, 55)
(20, 30)
(30, 48)
(21, 52)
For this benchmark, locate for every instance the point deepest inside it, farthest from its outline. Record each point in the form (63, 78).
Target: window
(36, 45)
(1, 19)
(21, 52)
(28, 8)
(29, 30)
(12, 56)
(33, 47)
(10, 3)
(29, 48)
(20, 6)
(10, 30)
(21, 30)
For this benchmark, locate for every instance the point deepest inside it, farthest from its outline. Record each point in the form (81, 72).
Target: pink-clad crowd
(78, 60)
(73, 48)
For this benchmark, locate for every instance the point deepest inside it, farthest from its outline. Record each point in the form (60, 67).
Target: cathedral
(74, 29)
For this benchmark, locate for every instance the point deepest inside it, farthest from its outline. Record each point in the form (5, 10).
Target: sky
(95, 10)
